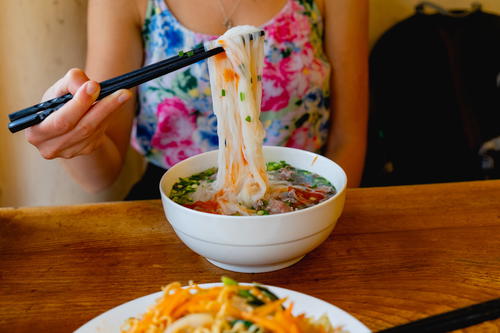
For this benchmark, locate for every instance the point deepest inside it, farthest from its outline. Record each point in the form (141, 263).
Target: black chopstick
(453, 320)
(33, 115)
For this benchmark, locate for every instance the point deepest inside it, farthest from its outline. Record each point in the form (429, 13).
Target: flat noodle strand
(236, 93)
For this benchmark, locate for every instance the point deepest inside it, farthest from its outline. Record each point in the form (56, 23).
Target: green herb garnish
(184, 186)
(242, 96)
(181, 53)
(248, 118)
(273, 166)
(228, 281)
(245, 323)
(223, 92)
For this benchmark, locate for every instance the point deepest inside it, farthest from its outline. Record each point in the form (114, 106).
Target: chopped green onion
(268, 293)
(248, 118)
(223, 92)
(228, 281)
(181, 53)
(245, 293)
(242, 96)
(246, 323)
(272, 166)
(190, 53)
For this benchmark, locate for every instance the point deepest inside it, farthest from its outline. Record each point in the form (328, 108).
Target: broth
(290, 189)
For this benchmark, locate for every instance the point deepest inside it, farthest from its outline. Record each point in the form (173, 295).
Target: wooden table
(397, 254)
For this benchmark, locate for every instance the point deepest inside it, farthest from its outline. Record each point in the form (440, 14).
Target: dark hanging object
(435, 100)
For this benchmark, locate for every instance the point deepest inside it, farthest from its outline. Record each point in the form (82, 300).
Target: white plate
(112, 320)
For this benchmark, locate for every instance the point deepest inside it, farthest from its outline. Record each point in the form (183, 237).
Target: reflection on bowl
(254, 244)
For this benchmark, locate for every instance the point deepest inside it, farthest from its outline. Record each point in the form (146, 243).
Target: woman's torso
(175, 118)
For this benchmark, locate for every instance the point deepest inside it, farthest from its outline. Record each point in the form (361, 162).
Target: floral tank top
(175, 118)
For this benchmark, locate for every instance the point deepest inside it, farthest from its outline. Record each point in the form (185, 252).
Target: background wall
(39, 41)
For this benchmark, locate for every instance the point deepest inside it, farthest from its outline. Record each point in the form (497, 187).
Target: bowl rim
(338, 193)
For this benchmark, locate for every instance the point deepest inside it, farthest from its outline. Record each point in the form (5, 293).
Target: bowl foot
(254, 269)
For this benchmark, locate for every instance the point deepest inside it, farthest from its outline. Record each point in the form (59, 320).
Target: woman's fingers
(79, 126)
(101, 111)
(95, 119)
(73, 80)
(66, 118)
(87, 132)
(76, 78)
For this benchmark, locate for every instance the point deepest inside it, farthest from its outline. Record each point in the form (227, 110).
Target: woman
(314, 97)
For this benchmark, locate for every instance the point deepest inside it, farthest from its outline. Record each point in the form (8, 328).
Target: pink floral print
(292, 26)
(180, 150)
(175, 124)
(275, 94)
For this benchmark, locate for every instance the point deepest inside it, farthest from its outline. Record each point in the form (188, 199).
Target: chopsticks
(37, 113)
(452, 320)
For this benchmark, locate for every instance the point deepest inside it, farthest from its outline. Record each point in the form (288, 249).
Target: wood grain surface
(397, 254)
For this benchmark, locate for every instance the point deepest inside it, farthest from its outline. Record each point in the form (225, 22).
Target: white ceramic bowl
(254, 244)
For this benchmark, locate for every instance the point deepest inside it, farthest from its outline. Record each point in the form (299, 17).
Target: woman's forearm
(348, 131)
(351, 158)
(347, 48)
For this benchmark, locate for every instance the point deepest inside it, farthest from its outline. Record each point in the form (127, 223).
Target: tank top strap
(155, 7)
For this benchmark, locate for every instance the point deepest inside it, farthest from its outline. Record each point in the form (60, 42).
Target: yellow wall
(39, 41)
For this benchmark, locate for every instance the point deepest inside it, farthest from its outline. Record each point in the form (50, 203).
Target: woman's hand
(79, 127)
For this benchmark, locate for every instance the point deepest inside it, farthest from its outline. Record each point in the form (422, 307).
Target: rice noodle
(235, 80)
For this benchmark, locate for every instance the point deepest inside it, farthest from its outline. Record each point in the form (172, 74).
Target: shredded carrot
(264, 322)
(193, 301)
(172, 302)
(245, 162)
